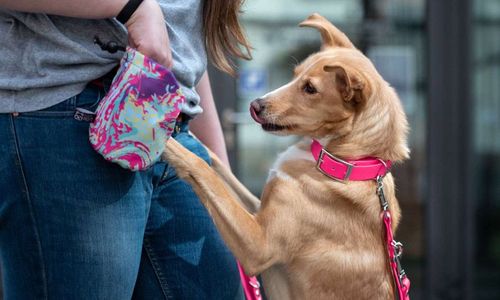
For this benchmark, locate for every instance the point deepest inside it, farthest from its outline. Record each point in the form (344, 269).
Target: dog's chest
(276, 283)
(294, 152)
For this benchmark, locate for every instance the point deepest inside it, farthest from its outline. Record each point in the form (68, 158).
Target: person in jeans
(72, 225)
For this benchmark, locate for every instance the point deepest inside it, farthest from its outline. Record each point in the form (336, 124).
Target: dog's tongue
(254, 115)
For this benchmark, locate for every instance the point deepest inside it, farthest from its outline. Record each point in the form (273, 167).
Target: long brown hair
(224, 34)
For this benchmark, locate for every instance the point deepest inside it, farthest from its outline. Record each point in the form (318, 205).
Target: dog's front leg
(240, 230)
(250, 202)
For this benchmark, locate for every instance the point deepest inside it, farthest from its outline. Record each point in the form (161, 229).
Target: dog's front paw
(171, 153)
(178, 157)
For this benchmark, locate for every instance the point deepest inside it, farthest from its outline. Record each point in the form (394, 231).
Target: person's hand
(148, 34)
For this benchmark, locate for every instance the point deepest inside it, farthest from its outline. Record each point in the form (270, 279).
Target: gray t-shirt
(45, 59)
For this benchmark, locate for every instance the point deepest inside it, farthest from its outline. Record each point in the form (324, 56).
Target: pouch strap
(128, 10)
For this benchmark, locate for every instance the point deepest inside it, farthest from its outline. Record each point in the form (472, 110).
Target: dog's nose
(256, 109)
(257, 105)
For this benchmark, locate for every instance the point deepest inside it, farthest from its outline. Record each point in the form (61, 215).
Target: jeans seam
(30, 207)
(53, 113)
(157, 269)
(164, 177)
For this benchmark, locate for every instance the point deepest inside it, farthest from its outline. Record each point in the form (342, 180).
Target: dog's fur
(313, 237)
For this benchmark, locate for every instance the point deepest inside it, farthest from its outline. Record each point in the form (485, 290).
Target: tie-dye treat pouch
(137, 116)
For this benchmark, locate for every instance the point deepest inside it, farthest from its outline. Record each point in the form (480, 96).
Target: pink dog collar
(343, 170)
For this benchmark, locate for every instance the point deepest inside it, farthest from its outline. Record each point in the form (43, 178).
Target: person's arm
(207, 126)
(146, 27)
(88, 9)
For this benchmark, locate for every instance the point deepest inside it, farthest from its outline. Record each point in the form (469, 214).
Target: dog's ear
(350, 84)
(331, 35)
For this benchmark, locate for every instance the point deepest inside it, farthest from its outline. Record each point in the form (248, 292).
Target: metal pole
(450, 216)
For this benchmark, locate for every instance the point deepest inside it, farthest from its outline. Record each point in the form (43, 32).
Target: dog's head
(338, 96)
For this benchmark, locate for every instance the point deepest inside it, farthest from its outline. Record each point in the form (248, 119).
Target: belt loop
(71, 104)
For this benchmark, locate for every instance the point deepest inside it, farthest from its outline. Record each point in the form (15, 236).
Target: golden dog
(313, 237)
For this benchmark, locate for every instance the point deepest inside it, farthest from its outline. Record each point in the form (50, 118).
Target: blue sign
(253, 81)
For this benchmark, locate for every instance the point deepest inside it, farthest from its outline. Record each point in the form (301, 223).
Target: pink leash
(251, 285)
(394, 248)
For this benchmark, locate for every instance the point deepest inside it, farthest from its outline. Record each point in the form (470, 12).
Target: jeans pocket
(63, 109)
(88, 99)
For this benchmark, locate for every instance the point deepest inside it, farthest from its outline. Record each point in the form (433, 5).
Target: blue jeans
(74, 226)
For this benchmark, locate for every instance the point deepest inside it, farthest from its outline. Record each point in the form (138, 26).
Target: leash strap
(394, 248)
(251, 285)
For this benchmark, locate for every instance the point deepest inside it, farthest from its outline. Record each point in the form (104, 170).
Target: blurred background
(443, 58)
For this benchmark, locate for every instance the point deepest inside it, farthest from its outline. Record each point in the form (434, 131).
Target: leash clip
(398, 248)
(380, 193)
(398, 251)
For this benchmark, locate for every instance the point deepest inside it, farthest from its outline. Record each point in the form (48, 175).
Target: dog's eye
(310, 89)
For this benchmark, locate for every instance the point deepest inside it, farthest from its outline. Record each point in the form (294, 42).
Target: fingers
(158, 53)
(148, 34)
